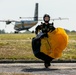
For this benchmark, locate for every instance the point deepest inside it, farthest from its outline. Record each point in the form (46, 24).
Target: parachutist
(42, 32)
(49, 41)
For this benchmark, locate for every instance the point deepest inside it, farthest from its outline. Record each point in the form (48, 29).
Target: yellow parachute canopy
(56, 42)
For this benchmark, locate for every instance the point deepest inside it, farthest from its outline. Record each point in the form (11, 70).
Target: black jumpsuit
(36, 43)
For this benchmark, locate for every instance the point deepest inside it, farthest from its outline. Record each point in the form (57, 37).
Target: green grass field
(18, 46)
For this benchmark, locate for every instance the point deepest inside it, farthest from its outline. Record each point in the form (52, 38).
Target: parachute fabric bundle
(51, 46)
(55, 43)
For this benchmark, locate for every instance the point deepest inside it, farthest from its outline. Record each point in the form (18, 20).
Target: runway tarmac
(39, 69)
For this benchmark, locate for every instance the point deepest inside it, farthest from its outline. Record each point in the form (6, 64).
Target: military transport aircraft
(26, 24)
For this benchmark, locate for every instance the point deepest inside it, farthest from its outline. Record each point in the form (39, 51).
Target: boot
(47, 64)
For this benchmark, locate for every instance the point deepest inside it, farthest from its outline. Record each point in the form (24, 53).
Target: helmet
(46, 15)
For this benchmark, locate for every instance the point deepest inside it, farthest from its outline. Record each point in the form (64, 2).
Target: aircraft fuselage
(24, 25)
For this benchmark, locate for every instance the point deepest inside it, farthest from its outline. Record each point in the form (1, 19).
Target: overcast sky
(13, 9)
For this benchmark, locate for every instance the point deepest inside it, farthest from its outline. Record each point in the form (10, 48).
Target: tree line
(4, 32)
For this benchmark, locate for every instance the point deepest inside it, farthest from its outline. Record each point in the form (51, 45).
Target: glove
(44, 35)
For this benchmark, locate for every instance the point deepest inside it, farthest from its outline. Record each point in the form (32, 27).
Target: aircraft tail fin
(36, 13)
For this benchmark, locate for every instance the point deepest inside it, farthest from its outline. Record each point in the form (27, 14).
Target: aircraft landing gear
(16, 32)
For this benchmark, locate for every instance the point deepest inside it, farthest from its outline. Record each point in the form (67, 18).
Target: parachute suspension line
(48, 43)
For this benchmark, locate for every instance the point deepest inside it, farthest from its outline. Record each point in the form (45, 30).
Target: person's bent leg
(47, 62)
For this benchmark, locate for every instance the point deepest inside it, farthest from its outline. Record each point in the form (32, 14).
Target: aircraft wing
(53, 19)
(60, 19)
(9, 21)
